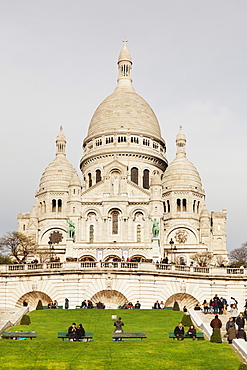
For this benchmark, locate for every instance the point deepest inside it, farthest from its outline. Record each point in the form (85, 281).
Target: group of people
(129, 306)
(75, 333)
(52, 304)
(219, 305)
(180, 333)
(158, 305)
(234, 327)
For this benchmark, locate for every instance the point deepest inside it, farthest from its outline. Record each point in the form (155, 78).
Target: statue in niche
(115, 183)
(71, 228)
(155, 228)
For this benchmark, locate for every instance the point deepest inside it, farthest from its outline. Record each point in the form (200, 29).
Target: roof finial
(125, 42)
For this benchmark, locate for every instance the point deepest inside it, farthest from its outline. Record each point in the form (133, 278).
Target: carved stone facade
(126, 183)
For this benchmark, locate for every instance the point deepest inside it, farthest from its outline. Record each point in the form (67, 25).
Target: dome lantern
(124, 66)
(61, 143)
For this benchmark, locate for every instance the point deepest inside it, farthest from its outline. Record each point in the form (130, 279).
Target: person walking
(230, 330)
(216, 325)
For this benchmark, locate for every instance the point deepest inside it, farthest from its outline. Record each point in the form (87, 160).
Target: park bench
(64, 335)
(46, 307)
(198, 336)
(129, 335)
(19, 334)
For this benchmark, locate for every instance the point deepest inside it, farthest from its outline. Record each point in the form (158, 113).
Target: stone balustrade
(93, 265)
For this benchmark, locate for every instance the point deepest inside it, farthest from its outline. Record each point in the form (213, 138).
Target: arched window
(198, 206)
(164, 204)
(178, 205)
(90, 182)
(138, 233)
(115, 215)
(44, 206)
(194, 206)
(59, 205)
(146, 179)
(168, 207)
(184, 205)
(54, 205)
(91, 233)
(134, 175)
(98, 176)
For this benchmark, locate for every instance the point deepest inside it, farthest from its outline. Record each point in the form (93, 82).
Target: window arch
(164, 204)
(178, 205)
(98, 176)
(54, 205)
(59, 205)
(184, 205)
(115, 221)
(168, 206)
(146, 179)
(90, 181)
(134, 175)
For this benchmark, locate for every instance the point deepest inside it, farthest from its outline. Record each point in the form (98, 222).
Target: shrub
(176, 306)
(39, 305)
(216, 336)
(186, 320)
(242, 367)
(25, 320)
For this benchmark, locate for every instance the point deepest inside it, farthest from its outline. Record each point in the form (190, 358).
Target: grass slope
(156, 352)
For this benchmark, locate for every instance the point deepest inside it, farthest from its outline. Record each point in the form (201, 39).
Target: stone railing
(151, 267)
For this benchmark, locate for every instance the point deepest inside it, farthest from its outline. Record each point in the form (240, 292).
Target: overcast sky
(58, 62)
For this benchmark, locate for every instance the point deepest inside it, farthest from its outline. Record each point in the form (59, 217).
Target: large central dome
(124, 110)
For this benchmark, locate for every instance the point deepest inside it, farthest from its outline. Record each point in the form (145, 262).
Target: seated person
(80, 332)
(197, 307)
(49, 305)
(179, 331)
(241, 334)
(137, 305)
(191, 332)
(84, 304)
(54, 304)
(72, 332)
(156, 305)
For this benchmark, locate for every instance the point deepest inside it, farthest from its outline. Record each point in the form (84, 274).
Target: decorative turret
(124, 66)
(61, 143)
(181, 143)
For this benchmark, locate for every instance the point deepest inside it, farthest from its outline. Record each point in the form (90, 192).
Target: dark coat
(240, 322)
(179, 330)
(230, 324)
(79, 333)
(216, 324)
(191, 332)
(118, 325)
(241, 334)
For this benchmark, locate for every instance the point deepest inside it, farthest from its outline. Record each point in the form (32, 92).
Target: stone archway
(110, 298)
(32, 299)
(183, 299)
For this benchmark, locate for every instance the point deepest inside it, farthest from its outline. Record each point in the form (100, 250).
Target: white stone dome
(59, 173)
(124, 110)
(181, 173)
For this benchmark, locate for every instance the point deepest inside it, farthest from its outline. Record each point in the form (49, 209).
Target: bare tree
(239, 254)
(18, 245)
(202, 259)
(220, 260)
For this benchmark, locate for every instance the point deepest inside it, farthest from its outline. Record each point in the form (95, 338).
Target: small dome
(181, 173)
(124, 54)
(75, 181)
(58, 175)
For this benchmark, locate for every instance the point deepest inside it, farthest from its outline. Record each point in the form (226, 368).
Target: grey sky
(58, 62)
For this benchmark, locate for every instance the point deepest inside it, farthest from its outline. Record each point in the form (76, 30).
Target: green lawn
(156, 352)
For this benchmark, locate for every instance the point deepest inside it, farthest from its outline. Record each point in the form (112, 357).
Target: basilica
(128, 203)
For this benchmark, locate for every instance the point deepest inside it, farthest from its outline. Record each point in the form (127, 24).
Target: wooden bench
(199, 336)
(64, 335)
(129, 335)
(46, 307)
(19, 334)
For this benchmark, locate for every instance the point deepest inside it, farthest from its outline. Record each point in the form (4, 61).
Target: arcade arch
(32, 299)
(110, 298)
(183, 299)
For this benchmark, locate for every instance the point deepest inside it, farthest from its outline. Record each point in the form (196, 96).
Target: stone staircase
(11, 316)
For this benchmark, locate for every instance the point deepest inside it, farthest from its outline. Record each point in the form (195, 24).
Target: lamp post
(51, 250)
(173, 248)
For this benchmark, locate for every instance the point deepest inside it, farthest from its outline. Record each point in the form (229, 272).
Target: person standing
(137, 305)
(216, 324)
(230, 330)
(240, 321)
(234, 312)
(179, 331)
(118, 327)
(66, 304)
